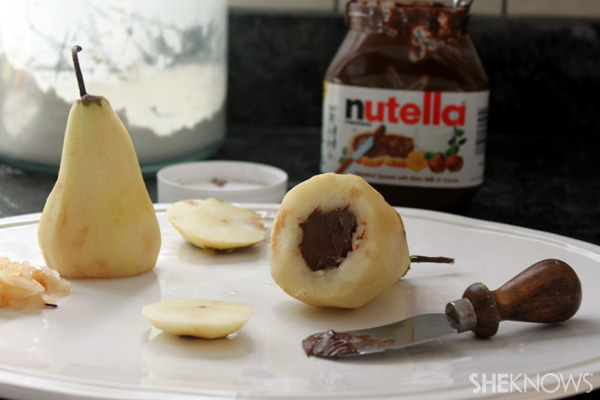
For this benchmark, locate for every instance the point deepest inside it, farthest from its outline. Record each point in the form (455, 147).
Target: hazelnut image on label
(336, 242)
(437, 163)
(454, 163)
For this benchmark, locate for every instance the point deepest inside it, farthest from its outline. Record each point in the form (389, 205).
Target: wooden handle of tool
(548, 291)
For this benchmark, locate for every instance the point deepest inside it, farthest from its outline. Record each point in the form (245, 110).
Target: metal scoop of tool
(548, 292)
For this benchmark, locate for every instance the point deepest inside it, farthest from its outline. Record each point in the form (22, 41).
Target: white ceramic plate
(96, 344)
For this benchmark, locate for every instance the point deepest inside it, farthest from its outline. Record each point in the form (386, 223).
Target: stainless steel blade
(408, 332)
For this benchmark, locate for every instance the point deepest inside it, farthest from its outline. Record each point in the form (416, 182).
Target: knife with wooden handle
(549, 291)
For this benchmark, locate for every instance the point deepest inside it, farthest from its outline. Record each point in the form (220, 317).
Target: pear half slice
(216, 224)
(208, 319)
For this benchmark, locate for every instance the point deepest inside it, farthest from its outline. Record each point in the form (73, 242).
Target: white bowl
(231, 181)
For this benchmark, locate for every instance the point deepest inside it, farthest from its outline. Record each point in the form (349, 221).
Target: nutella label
(405, 137)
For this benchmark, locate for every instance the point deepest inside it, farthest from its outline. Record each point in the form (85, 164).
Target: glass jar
(162, 68)
(405, 104)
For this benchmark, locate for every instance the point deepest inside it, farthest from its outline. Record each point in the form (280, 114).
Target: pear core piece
(216, 224)
(367, 258)
(98, 221)
(208, 319)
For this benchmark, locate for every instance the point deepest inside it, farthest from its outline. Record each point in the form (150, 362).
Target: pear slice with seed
(216, 224)
(208, 319)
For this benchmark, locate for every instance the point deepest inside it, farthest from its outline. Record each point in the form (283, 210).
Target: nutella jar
(405, 104)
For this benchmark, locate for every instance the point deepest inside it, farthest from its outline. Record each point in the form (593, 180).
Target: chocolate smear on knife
(337, 344)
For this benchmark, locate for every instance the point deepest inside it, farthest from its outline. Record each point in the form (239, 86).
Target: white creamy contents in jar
(162, 68)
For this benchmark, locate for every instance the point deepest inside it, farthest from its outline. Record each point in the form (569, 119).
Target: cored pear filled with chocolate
(336, 242)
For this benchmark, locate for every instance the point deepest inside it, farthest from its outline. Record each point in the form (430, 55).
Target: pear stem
(76, 49)
(438, 260)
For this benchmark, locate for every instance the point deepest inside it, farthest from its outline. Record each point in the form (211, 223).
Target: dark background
(544, 122)
(542, 168)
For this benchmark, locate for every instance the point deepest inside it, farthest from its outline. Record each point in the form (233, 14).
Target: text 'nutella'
(406, 102)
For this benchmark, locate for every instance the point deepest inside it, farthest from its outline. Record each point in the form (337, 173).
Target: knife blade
(363, 149)
(549, 291)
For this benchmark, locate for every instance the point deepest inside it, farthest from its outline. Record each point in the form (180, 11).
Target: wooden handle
(549, 291)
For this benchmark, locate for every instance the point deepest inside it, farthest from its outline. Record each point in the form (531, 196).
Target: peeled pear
(336, 242)
(98, 221)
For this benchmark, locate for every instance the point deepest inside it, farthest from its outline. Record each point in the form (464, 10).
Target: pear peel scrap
(208, 319)
(215, 224)
(26, 288)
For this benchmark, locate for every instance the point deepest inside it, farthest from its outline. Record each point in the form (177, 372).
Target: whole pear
(98, 221)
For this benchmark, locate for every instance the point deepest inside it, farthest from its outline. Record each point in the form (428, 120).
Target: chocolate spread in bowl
(327, 237)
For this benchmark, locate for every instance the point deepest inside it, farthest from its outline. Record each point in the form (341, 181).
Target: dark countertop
(542, 148)
(552, 185)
